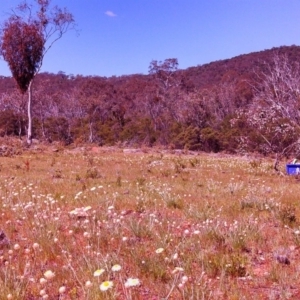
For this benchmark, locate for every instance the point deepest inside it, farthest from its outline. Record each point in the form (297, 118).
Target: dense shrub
(189, 138)
(210, 139)
(11, 123)
(57, 129)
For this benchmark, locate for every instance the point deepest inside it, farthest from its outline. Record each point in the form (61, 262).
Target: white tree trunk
(29, 111)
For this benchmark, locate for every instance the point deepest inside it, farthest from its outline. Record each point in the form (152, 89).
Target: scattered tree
(25, 38)
(275, 110)
(164, 71)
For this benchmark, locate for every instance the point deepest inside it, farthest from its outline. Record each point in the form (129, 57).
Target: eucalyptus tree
(25, 38)
(275, 110)
(164, 71)
(163, 103)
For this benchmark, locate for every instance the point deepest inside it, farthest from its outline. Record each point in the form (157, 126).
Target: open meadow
(101, 223)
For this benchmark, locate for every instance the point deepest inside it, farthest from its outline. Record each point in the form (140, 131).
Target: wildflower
(62, 289)
(88, 284)
(181, 285)
(93, 188)
(43, 280)
(49, 274)
(9, 296)
(159, 250)
(177, 270)
(98, 272)
(116, 268)
(132, 282)
(184, 279)
(105, 285)
(86, 235)
(175, 256)
(16, 246)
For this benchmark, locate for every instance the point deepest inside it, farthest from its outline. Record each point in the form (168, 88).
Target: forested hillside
(246, 103)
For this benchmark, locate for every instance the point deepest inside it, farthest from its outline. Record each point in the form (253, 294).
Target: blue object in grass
(293, 169)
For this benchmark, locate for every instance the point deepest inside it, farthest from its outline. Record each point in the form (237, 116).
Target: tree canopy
(22, 46)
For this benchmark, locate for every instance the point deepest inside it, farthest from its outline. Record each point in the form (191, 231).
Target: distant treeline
(200, 108)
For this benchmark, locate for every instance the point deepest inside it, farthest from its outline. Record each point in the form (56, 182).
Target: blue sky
(122, 37)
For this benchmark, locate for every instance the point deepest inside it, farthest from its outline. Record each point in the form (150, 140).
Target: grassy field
(104, 223)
